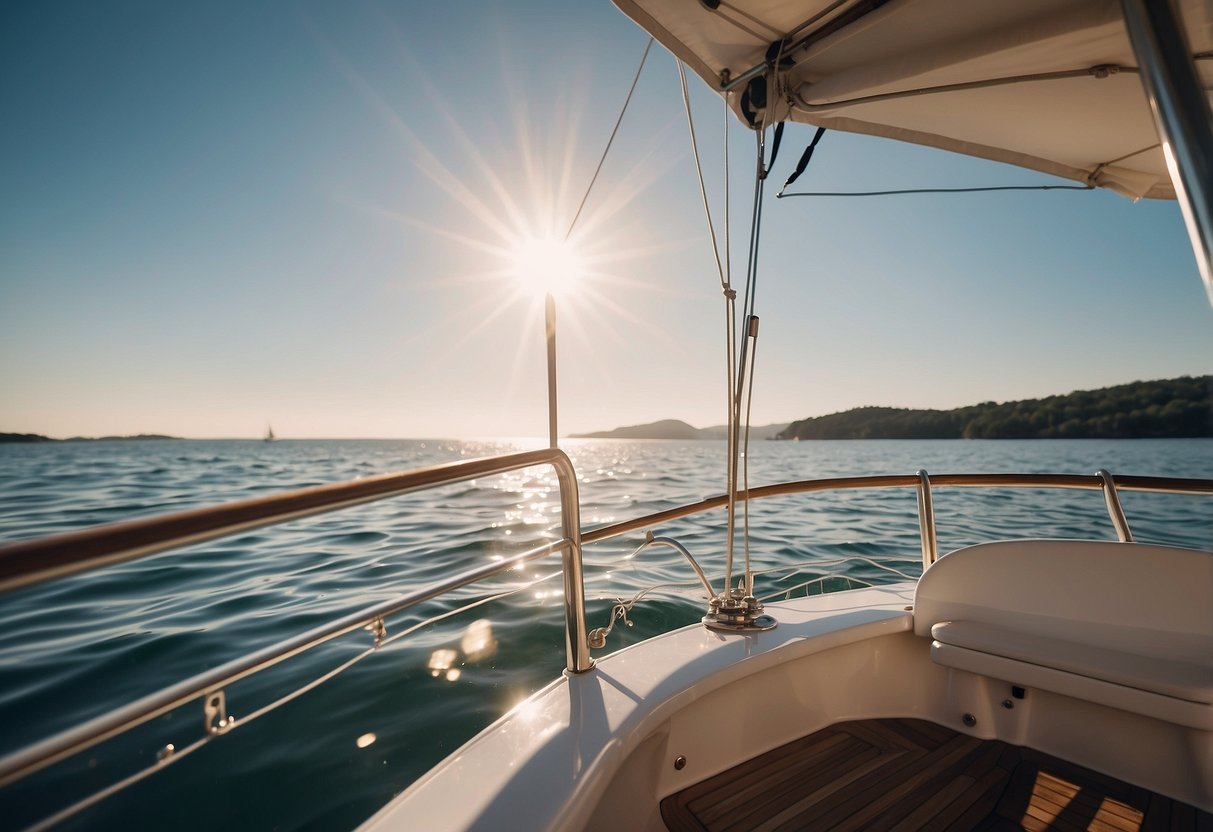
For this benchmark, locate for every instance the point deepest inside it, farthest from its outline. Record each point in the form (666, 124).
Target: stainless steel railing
(30, 562)
(1108, 484)
(34, 561)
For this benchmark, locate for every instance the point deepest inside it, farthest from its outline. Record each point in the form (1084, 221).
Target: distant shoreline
(30, 438)
(1180, 408)
(675, 429)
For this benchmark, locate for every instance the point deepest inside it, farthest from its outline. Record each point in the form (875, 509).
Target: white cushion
(1166, 708)
(1123, 624)
(1178, 679)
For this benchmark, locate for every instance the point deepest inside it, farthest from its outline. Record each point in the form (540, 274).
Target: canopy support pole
(549, 320)
(1181, 115)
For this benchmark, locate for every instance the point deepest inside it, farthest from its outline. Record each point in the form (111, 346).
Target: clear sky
(215, 216)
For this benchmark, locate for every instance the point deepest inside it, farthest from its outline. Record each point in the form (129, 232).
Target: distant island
(675, 429)
(1172, 408)
(37, 437)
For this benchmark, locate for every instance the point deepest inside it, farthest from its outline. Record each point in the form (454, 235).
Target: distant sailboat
(269, 434)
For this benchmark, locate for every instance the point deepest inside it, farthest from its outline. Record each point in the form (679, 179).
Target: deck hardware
(378, 629)
(969, 720)
(1018, 692)
(214, 714)
(926, 521)
(166, 752)
(1112, 500)
(735, 81)
(737, 613)
(680, 762)
(671, 543)
(1008, 704)
(733, 611)
(597, 637)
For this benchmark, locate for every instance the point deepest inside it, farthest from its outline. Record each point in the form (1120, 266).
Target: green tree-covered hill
(1176, 407)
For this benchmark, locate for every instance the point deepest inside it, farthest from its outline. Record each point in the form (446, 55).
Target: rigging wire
(746, 360)
(745, 470)
(786, 594)
(755, 232)
(730, 345)
(730, 339)
(750, 343)
(686, 101)
(790, 569)
(724, 271)
(728, 238)
(611, 140)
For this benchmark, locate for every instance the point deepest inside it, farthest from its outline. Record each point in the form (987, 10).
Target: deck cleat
(738, 613)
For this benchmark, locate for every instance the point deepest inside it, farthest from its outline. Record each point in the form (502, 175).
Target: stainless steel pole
(1182, 116)
(576, 643)
(926, 521)
(549, 310)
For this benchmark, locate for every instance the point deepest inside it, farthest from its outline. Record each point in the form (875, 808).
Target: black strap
(805, 157)
(774, 149)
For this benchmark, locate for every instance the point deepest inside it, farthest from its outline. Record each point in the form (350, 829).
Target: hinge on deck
(378, 629)
(214, 714)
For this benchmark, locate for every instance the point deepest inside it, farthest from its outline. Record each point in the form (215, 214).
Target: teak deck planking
(904, 774)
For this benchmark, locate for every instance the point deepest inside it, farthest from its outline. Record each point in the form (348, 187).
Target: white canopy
(1050, 85)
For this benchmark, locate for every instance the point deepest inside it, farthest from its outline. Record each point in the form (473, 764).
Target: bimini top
(1050, 85)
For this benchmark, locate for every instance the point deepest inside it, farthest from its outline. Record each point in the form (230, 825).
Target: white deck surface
(547, 763)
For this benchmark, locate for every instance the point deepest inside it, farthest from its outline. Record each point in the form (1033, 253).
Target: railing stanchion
(22, 564)
(576, 640)
(1112, 500)
(926, 521)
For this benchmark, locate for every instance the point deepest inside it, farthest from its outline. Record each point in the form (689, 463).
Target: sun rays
(515, 200)
(495, 202)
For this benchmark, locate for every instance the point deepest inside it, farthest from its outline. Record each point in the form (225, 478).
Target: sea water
(329, 757)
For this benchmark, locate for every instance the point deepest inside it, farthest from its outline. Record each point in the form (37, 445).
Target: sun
(547, 265)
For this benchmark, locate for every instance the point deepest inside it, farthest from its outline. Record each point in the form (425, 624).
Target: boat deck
(901, 774)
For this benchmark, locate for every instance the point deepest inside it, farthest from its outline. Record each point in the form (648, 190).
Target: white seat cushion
(1121, 624)
(1178, 679)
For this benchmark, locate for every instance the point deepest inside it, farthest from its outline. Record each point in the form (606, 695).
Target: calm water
(329, 758)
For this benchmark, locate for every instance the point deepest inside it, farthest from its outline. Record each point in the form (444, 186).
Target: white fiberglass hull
(601, 749)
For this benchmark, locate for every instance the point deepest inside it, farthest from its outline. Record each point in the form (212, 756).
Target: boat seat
(1122, 624)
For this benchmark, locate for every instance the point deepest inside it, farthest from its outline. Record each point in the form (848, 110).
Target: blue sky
(220, 215)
